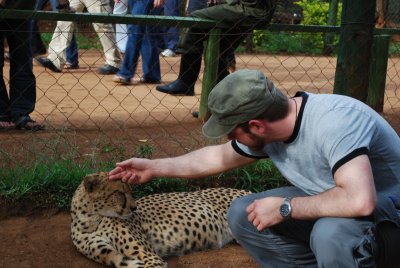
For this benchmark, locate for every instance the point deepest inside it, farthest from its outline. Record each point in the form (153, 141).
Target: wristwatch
(286, 208)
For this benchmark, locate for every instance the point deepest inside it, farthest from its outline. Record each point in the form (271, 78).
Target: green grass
(51, 181)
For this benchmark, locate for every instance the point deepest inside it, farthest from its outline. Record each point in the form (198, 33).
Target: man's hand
(264, 213)
(132, 171)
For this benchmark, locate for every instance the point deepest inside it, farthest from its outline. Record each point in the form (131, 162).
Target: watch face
(285, 210)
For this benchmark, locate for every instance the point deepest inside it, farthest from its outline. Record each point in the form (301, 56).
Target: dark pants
(236, 22)
(22, 97)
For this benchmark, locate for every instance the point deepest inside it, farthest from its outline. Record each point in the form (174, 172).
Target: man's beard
(258, 143)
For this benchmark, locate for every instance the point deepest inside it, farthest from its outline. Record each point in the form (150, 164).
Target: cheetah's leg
(100, 250)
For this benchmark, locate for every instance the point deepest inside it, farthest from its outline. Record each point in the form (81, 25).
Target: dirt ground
(81, 99)
(41, 241)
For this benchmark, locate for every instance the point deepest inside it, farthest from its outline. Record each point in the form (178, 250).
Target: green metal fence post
(352, 69)
(377, 75)
(332, 15)
(210, 71)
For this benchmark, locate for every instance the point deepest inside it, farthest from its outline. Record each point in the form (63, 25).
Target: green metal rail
(169, 21)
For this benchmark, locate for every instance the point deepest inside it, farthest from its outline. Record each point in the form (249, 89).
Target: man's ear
(257, 127)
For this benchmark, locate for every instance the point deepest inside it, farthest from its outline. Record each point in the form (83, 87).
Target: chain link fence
(90, 117)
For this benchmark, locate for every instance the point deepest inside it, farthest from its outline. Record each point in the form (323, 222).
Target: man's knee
(237, 215)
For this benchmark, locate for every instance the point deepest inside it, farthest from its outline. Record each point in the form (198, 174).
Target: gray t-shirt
(331, 130)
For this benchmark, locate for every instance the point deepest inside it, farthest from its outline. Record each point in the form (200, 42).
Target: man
(62, 36)
(341, 157)
(236, 18)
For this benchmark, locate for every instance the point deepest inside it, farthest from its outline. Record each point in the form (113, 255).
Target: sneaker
(45, 62)
(107, 69)
(168, 53)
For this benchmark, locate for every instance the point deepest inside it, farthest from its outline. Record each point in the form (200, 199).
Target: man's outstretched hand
(132, 171)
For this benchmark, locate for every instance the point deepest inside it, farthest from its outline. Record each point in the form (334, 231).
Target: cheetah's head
(108, 198)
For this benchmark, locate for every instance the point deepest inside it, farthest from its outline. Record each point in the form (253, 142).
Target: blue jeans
(37, 44)
(22, 97)
(325, 242)
(171, 34)
(141, 39)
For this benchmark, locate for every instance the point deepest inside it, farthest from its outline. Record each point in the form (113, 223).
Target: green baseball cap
(238, 98)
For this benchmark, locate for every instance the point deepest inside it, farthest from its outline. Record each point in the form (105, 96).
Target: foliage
(394, 49)
(315, 12)
(285, 42)
(52, 178)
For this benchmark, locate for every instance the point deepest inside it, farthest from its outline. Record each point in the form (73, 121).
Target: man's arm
(200, 163)
(353, 196)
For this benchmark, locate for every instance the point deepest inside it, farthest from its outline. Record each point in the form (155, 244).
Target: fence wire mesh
(90, 117)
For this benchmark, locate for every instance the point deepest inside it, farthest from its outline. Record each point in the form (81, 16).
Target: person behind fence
(193, 5)
(16, 105)
(121, 30)
(236, 19)
(340, 156)
(56, 59)
(38, 48)
(142, 39)
(169, 35)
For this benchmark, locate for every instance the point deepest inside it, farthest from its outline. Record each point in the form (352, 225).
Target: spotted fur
(110, 227)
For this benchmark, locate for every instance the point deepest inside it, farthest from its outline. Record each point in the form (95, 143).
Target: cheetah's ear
(91, 182)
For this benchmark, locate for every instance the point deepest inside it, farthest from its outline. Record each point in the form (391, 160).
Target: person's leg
(284, 245)
(196, 5)
(149, 52)
(351, 239)
(106, 34)
(5, 120)
(121, 30)
(72, 53)
(171, 34)
(191, 47)
(22, 79)
(189, 70)
(61, 39)
(38, 47)
(72, 49)
(135, 39)
(57, 48)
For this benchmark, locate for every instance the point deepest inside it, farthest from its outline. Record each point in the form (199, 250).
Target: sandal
(121, 80)
(25, 122)
(71, 66)
(6, 122)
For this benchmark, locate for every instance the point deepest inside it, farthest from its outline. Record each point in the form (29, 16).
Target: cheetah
(110, 227)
